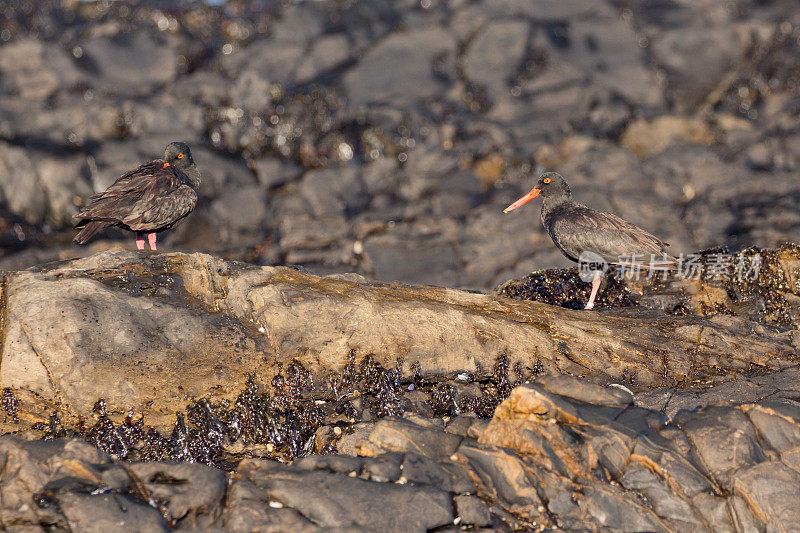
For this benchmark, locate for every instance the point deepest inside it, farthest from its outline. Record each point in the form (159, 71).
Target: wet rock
(339, 501)
(189, 494)
(400, 69)
(69, 483)
(240, 211)
(681, 52)
(493, 71)
(327, 53)
(130, 64)
(334, 191)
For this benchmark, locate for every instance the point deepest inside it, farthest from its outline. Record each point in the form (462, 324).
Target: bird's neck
(551, 202)
(194, 176)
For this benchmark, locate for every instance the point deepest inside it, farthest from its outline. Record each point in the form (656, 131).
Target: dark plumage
(576, 228)
(152, 198)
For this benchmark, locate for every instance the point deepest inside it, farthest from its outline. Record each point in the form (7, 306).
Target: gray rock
(299, 24)
(106, 512)
(743, 389)
(665, 503)
(401, 436)
(327, 53)
(342, 501)
(242, 210)
(383, 468)
(778, 424)
(770, 489)
(64, 181)
(64, 477)
(271, 59)
(760, 157)
(472, 511)
(399, 70)
(35, 70)
(334, 191)
(742, 515)
(348, 442)
(445, 474)
(682, 53)
(575, 389)
(129, 64)
(725, 441)
(191, 494)
(502, 476)
(21, 190)
(273, 172)
(251, 91)
(714, 510)
(676, 465)
(483, 64)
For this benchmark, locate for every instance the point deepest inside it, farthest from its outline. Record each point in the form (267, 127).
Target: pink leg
(139, 242)
(598, 279)
(151, 237)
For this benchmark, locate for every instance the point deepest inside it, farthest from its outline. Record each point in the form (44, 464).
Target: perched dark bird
(582, 233)
(149, 199)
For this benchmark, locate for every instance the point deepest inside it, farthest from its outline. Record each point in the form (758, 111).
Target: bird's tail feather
(88, 231)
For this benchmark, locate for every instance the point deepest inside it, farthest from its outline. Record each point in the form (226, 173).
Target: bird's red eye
(180, 156)
(546, 180)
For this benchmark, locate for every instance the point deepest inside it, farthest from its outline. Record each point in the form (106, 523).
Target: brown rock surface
(149, 332)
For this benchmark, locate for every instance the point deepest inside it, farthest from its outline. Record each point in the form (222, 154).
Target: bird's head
(550, 185)
(178, 155)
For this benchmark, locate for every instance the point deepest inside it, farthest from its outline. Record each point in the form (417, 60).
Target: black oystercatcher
(582, 234)
(152, 198)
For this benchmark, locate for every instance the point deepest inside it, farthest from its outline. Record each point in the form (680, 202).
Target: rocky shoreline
(307, 369)
(307, 402)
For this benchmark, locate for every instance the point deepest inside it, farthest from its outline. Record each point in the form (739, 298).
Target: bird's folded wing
(150, 213)
(605, 234)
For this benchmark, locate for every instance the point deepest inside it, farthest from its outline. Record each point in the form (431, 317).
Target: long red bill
(524, 200)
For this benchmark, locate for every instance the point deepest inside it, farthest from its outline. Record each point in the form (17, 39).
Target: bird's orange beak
(524, 200)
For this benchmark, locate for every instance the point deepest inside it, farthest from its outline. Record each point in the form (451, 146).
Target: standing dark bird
(149, 199)
(577, 229)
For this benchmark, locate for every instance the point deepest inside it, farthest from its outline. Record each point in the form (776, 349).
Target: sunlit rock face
(150, 332)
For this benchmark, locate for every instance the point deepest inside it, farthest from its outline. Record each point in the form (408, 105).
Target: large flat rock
(151, 331)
